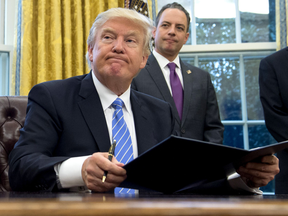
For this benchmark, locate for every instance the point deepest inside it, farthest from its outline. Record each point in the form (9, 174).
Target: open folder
(178, 163)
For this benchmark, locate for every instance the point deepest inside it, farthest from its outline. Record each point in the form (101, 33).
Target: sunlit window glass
(215, 21)
(4, 71)
(257, 20)
(226, 81)
(251, 69)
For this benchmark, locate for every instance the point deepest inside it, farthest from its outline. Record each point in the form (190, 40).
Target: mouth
(117, 59)
(169, 40)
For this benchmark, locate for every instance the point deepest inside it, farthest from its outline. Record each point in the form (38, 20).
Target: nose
(172, 30)
(118, 45)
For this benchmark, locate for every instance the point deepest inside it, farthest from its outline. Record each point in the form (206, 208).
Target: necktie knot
(117, 104)
(172, 66)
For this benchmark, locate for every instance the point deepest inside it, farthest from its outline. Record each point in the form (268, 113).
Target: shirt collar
(162, 61)
(107, 97)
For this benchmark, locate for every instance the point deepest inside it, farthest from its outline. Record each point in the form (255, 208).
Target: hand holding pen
(110, 156)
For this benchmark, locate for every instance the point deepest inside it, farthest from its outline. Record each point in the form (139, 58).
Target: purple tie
(177, 90)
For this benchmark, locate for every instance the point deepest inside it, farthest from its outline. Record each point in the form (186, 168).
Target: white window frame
(223, 49)
(7, 25)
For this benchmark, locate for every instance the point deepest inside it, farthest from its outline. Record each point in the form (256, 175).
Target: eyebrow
(128, 33)
(177, 24)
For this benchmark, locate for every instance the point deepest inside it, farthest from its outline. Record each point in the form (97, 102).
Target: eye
(131, 41)
(180, 28)
(107, 38)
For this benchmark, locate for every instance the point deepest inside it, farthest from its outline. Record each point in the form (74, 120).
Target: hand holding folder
(192, 163)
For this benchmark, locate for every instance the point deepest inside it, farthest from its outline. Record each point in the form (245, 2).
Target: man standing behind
(190, 92)
(193, 100)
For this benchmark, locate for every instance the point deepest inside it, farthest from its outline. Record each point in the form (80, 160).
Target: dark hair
(176, 6)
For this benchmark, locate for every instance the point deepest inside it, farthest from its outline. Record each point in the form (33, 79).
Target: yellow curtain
(281, 9)
(51, 40)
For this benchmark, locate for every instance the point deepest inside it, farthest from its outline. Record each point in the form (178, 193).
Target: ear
(154, 32)
(144, 60)
(186, 38)
(90, 53)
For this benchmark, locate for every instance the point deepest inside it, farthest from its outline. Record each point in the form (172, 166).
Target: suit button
(183, 131)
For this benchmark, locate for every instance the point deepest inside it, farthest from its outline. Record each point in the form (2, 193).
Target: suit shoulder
(194, 68)
(60, 84)
(281, 54)
(149, 99)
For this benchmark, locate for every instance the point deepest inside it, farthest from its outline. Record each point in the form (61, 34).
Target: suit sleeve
(213, 131)
(31, 161)
(275, 112)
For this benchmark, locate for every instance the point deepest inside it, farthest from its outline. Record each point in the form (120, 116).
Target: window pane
(215, 21)
(254, 107)
(251, 68)
(4, 71)
(259, 136)
(226, 80)
(257, 20)
(188, 60)
(233, 136)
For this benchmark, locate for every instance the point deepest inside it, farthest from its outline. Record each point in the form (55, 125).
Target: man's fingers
(93, 171)
(270, 159)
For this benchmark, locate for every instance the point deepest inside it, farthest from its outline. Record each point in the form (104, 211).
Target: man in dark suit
(197, 116)
(273, 78)
(68, 127)
(200, 114)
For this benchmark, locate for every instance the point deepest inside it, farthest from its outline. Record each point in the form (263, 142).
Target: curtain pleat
(281, 9)
(51, 40)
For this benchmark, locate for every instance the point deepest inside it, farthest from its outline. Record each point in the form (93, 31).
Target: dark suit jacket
(65, 119)
(200, 119)
(273, 79)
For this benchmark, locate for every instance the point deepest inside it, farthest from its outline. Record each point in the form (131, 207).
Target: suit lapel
(155, 72)
(144, 133)
(188, 83)
(93, 114)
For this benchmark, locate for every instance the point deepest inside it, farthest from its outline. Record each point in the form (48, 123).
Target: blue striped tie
(120, 133)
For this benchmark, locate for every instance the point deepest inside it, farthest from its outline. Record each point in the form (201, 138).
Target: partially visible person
(196, 113)
(68, 128)
(197, 116)
(273, 79)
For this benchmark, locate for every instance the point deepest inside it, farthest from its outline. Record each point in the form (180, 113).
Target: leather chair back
(12, 117)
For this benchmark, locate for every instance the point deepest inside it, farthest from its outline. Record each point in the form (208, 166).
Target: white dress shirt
(69, 171)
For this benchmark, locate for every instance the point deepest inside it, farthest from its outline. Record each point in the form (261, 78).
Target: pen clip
(112, 148)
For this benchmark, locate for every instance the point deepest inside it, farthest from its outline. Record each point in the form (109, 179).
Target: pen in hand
(110, 156)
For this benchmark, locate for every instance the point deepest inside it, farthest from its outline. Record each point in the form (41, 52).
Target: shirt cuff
(69, 172)
(236, 182)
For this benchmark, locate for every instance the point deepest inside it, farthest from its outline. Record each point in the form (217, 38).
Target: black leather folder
(178, 163)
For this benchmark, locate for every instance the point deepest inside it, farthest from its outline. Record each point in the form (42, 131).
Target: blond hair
(132, 15)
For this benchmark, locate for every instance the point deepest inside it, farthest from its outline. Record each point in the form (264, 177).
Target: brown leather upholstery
(12, 117)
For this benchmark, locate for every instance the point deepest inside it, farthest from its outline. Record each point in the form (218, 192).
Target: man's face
(118, 55)
(171, 33)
